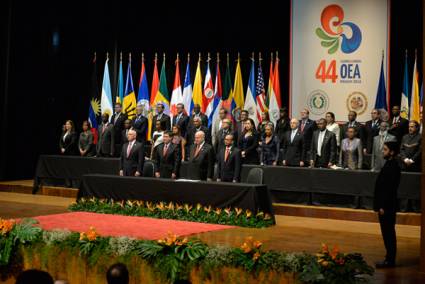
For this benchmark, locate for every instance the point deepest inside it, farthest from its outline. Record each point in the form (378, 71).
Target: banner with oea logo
(336, 54)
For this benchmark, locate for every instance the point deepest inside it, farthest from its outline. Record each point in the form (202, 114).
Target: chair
(148, 169)
(255, 176)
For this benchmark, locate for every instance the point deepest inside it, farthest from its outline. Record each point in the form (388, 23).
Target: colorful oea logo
(333, 29)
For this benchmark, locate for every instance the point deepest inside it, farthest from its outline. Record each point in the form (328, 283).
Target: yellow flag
(414, 110)
(197, 86)
(238, 94)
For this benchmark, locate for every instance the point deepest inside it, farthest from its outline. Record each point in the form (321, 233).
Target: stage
(291, 233)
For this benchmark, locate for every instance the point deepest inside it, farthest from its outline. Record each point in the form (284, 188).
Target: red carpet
(117, 225)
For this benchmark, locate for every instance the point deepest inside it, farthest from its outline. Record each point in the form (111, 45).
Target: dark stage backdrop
(46, 71)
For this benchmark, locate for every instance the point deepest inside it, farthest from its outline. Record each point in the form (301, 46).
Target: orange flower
(82, 236)
(246, 248)
(256, 256)
(6, 226)
(325, 248)
(90, 235)
(334, 252)
(257, 244)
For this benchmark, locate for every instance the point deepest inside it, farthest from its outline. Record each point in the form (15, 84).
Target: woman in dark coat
(269, 147)
(68, 142)
(248, 143)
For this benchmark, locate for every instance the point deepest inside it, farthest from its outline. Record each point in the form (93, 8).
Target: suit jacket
(351, 157)
(282, 125)
(229, 170)
(328, 151)
(190, 137)
(359, 129)
(204, 120)
(183, 123)
(293, 152)
(215, 128)
(201, 166)
(106, 142)
(168, 164)
(411, 149)
(165, 121)
(378, 160)
(399, 129)
(309, 128)
(386, 186)
(124, 138)
(219, 139)
(140, 124)
(69, 143)
(129, 165)
(269, 152)
(370, 131)
(249, 145)
(118, 125)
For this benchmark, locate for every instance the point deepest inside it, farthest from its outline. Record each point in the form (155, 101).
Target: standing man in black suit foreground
(167, 161)
(293, 146)
(201, 160)
(118, 119)
(385, 201)
(323, 147)
(229, 161)
(132, 156)
(106, 143)
(306, 128)
(399, 126)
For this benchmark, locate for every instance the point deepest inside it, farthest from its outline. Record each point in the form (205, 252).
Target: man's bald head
(199, 137)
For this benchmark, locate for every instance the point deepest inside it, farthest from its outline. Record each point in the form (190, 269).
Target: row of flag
(210, 93)
(411, 101)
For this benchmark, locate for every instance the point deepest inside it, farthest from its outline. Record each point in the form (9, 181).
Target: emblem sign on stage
(336, 54)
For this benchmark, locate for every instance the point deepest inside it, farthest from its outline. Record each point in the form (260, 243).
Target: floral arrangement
(176, 211)
(173, 257)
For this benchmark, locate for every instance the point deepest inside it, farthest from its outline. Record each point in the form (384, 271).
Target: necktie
(104, 127)
(129, 149)
(226, 156)
(164, 152)
(198, 149)
(178, 118)
(302, 126)
(116, 118)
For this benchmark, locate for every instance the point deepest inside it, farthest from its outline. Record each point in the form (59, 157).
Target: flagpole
(228, 59)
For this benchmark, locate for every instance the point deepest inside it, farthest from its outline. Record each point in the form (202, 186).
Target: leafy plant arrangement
(176, 258)
(173, 257)
(332, 266)
(186, 212)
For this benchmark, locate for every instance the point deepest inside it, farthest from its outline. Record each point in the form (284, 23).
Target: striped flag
(143, 95)
(129, 101)
(106, 96)
(176, 95)
(94, 107)
(260, 94)
(404, 105)
(154, 90)
(270, 83)
(197, 86)
(162, 94)
(187, 89)
(414, 110)
(208, 96)
(250, 99)
(218, 92)
(275, 101)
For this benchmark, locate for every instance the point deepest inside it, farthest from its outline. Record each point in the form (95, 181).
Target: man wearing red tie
(167, 161)
(132, 156)
(229, 161)
(201, 160)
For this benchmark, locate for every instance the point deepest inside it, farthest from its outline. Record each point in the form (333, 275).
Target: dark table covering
(247, 196)
(69, 170)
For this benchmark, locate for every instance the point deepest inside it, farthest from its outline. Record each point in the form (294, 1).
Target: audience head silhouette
(34, 276)
(117, 274)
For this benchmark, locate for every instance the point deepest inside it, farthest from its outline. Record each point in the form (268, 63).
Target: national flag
(227, 89)
(120, 86)
(129, 101)
(154, 90)
(238, 94)
(381, 94)
(187, 89)
(162, 94)
(260, 93)
(404, 105)
(176, 95)
(218, 94)
(106, 96)
(94, 107)
(270, 83)
(208, 96)
(414, 110)
(250, 99)
(143, 95)
(197, 86)
(275, 100)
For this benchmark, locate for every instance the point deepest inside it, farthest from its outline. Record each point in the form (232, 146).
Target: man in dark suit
(161, 116)
(358, 127)
(197, 113)
(106, 142)
(201, 162)
(410, 150)
(124, 132)
(385, 201)
(228, 161)
(293, 146)
(140, 124)
(117, 120)
(399, 126)
(371, 129)
(181, 119)
(221, 135)
(197, 126)
(282, 125)
(306, 128)
(167, 161)
(323, 147)
(132, 156)
(240, 125)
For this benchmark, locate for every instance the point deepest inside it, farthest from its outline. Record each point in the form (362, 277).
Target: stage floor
(291, 234)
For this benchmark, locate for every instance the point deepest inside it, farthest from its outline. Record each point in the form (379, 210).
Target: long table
(328, 187)
(246, 196)
(70, 169)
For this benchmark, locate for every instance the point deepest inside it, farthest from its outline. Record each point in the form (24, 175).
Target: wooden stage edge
(323, 212)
